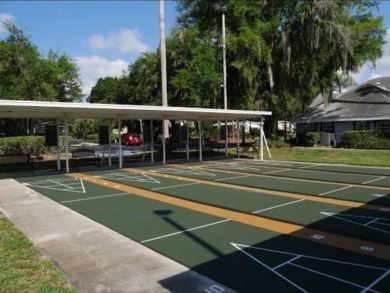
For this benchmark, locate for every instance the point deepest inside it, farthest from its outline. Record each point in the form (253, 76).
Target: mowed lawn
(329, 155)
(23, 268)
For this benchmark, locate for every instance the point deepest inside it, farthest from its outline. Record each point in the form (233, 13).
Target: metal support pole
(200, 141)
(120, 144)
(261, 155)
(188, 144)
(151, 142)
(58, 147)
(109, 146)
(66, 147)
(238, 138)
(163, 146)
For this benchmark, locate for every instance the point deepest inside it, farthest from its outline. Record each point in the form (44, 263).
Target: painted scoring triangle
(376, 223)
(142, 177)
(345, 273)
(71, 184)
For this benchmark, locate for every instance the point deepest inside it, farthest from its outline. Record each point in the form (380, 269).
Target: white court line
(96, 197)
(331, 277)
(274, 207)
(311, 166)
(235, 177)
(370, 222)
(263, 264)
(82, 185)
(65, 185)
(287, 262)
(336, 190)
(381, 195)
(373, 180)
(241, 248)
(368, 288)
(184, 231)
(277, 171)
(173, 186)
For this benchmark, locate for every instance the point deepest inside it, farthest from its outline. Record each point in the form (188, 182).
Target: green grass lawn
(23, 268)
(329, 155)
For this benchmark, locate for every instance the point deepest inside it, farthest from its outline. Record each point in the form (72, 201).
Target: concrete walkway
(95, 258)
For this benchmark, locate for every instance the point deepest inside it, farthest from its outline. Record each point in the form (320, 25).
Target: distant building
(364, 107)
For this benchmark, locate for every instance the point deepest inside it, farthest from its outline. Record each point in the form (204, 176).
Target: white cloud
(5, 17)
(94, 67)
(125, 41)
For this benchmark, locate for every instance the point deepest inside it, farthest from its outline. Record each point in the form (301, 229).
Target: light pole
(223, 10)
(163, 75)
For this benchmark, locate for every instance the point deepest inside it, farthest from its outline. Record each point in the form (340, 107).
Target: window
(328, 127)
(362, 125)
(311, 127)
(383, 124)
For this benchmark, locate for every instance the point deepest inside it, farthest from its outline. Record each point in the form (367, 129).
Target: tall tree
(26, 75)
(281, 54)
(193, 69)
(105, 91)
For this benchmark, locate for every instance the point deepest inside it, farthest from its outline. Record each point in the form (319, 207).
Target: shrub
(366, 139)
(312, 138)
(33, 145)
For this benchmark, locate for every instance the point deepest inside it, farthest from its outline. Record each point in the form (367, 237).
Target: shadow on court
(283, 263)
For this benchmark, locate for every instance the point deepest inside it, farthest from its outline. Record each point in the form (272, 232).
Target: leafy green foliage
(366, 139)
(312, 139)
(84, 127)
(281, 54)
(26, 75)
(33, 145)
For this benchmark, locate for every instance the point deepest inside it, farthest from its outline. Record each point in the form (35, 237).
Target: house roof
(53, 110)
(368, 101)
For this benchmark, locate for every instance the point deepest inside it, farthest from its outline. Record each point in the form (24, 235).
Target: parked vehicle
(131, 139)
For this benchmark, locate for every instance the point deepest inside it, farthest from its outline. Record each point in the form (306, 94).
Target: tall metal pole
(164, 90)
(224, 62)
(224, 79)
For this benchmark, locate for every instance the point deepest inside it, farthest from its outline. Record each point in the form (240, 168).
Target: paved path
(95, 258)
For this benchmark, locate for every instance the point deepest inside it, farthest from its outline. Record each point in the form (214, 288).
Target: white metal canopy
(66, 111)
(61, 110)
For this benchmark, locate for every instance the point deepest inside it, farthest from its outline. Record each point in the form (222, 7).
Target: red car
(131, 139)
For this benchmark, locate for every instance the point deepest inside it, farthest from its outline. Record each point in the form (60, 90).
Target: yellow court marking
(340, 202)
(332, 239)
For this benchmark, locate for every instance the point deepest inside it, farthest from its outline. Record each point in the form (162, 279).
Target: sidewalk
(94, 258)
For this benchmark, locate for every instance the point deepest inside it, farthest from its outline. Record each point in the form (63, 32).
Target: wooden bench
(22, 159)
(87, 155)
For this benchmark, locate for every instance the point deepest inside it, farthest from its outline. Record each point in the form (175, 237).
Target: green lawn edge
(23, 268)
(330, 156)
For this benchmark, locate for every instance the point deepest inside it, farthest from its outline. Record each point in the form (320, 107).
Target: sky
(105, 37)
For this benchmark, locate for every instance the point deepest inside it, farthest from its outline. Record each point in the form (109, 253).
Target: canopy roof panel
(61, 110)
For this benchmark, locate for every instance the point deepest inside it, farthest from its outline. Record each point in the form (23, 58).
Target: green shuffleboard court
(246, 239)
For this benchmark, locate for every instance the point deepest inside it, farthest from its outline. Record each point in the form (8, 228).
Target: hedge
(33, 145)
(366, 139)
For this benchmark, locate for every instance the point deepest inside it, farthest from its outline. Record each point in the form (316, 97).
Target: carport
(67, 111)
